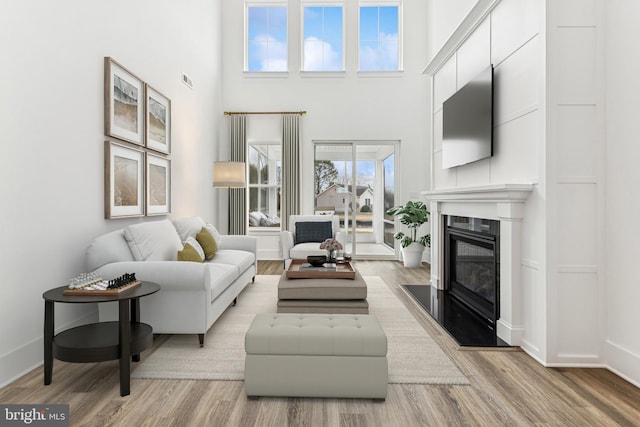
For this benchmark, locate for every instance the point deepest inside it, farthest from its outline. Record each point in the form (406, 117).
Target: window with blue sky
(266, 38)
(323, 41)
(379, 43)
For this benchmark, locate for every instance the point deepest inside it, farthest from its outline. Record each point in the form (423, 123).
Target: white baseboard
(623, 363)
(29, 356)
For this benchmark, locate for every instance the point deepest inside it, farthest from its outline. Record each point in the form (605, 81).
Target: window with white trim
(266, 37)
(379, 43)
(323, 41)
(265, 168)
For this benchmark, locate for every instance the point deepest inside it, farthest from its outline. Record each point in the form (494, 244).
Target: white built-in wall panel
(513, 23)
(575, 203)
(516, 145)
(516, 84)
(577, 156)
(444, 83)
(474, 55)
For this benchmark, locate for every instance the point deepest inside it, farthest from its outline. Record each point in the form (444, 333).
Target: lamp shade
(229, 174)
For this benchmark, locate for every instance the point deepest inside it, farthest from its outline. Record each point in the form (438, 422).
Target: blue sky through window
(267, 38)
(323, 38)
(379, 38)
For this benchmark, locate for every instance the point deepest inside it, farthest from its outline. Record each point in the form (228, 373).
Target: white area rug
(414, 358)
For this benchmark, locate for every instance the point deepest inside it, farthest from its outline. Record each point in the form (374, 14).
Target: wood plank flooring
(508, 388)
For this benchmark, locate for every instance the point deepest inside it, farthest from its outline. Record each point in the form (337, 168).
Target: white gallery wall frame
(124, 181)
(123, 103)
(158, 121)
(158, 185)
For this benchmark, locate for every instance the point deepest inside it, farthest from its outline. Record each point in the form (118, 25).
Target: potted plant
(413, 215)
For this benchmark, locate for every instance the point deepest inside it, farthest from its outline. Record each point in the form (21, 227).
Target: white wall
(350, 107)
(51, 115)
(623, 176)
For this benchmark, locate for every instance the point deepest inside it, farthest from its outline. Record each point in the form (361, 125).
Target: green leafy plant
(413, 215)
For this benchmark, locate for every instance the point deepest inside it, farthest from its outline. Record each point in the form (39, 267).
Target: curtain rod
(229, 113)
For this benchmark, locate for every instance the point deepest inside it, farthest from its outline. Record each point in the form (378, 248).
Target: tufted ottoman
(316, 355)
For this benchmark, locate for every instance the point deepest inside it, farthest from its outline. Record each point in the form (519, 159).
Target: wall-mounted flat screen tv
(467, 129)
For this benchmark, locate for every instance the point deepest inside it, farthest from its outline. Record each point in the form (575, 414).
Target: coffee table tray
(301, 269)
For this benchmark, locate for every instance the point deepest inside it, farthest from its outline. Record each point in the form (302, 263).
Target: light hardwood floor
(508, 388)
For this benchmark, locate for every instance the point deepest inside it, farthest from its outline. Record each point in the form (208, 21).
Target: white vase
(412, 255)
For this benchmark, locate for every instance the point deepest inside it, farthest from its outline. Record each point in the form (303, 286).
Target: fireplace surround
(499, 202)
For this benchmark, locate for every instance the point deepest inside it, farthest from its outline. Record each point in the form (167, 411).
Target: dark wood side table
(98, 342)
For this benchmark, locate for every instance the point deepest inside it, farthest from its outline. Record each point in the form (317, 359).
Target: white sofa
(192, 294)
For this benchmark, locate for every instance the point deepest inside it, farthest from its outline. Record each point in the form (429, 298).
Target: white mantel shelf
(501, 202)
(485, 193)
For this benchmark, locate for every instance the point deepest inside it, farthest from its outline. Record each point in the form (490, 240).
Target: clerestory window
(379, 37)
(323, 42)
(266, 39)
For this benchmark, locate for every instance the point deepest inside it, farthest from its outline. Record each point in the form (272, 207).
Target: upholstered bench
(316, 355)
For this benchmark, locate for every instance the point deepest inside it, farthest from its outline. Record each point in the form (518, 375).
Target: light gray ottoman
(316, 355)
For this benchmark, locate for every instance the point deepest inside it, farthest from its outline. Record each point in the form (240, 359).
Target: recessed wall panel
(516, 83)
(576, 52)
(577, 13)
(442, 178)
(515, 150)
(513, 22)
(475, 54)
(578, 310)
(577, 148)
(474, 174)
(444, 83)
(437, 131)
(577, 225)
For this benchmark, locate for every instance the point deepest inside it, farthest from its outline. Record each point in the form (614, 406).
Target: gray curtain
(290, 203)
(237, 196)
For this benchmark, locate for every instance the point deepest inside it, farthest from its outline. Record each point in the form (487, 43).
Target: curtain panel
(237, 196)
(290, 204)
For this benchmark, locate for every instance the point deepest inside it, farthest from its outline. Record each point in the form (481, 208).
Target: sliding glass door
(356, 181)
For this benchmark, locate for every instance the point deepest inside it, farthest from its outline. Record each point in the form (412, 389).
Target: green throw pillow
(189, 253)
(207, 242)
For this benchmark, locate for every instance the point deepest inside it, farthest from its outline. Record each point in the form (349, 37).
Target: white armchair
(304, 240)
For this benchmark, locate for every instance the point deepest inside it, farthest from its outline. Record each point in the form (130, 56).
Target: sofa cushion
(208, 243)
(241, 259)
(153, 241)
(108, 248)
(303, 250)
(221, 276)
(188, 227)
(313, 231)
(215, 233)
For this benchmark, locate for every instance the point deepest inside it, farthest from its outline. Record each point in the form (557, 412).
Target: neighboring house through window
(323, 37)
(379, 37)
(266, 37)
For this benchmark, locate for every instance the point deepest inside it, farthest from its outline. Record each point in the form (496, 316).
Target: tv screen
(467, 128)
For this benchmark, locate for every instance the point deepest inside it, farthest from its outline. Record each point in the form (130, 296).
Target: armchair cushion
(313, 231)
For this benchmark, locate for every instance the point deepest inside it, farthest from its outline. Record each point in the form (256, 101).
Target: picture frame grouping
(137, 173)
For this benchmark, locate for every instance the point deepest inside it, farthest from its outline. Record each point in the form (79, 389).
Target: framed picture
(123, 103)
(158, 185)
(158, 120)
(123, 181)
